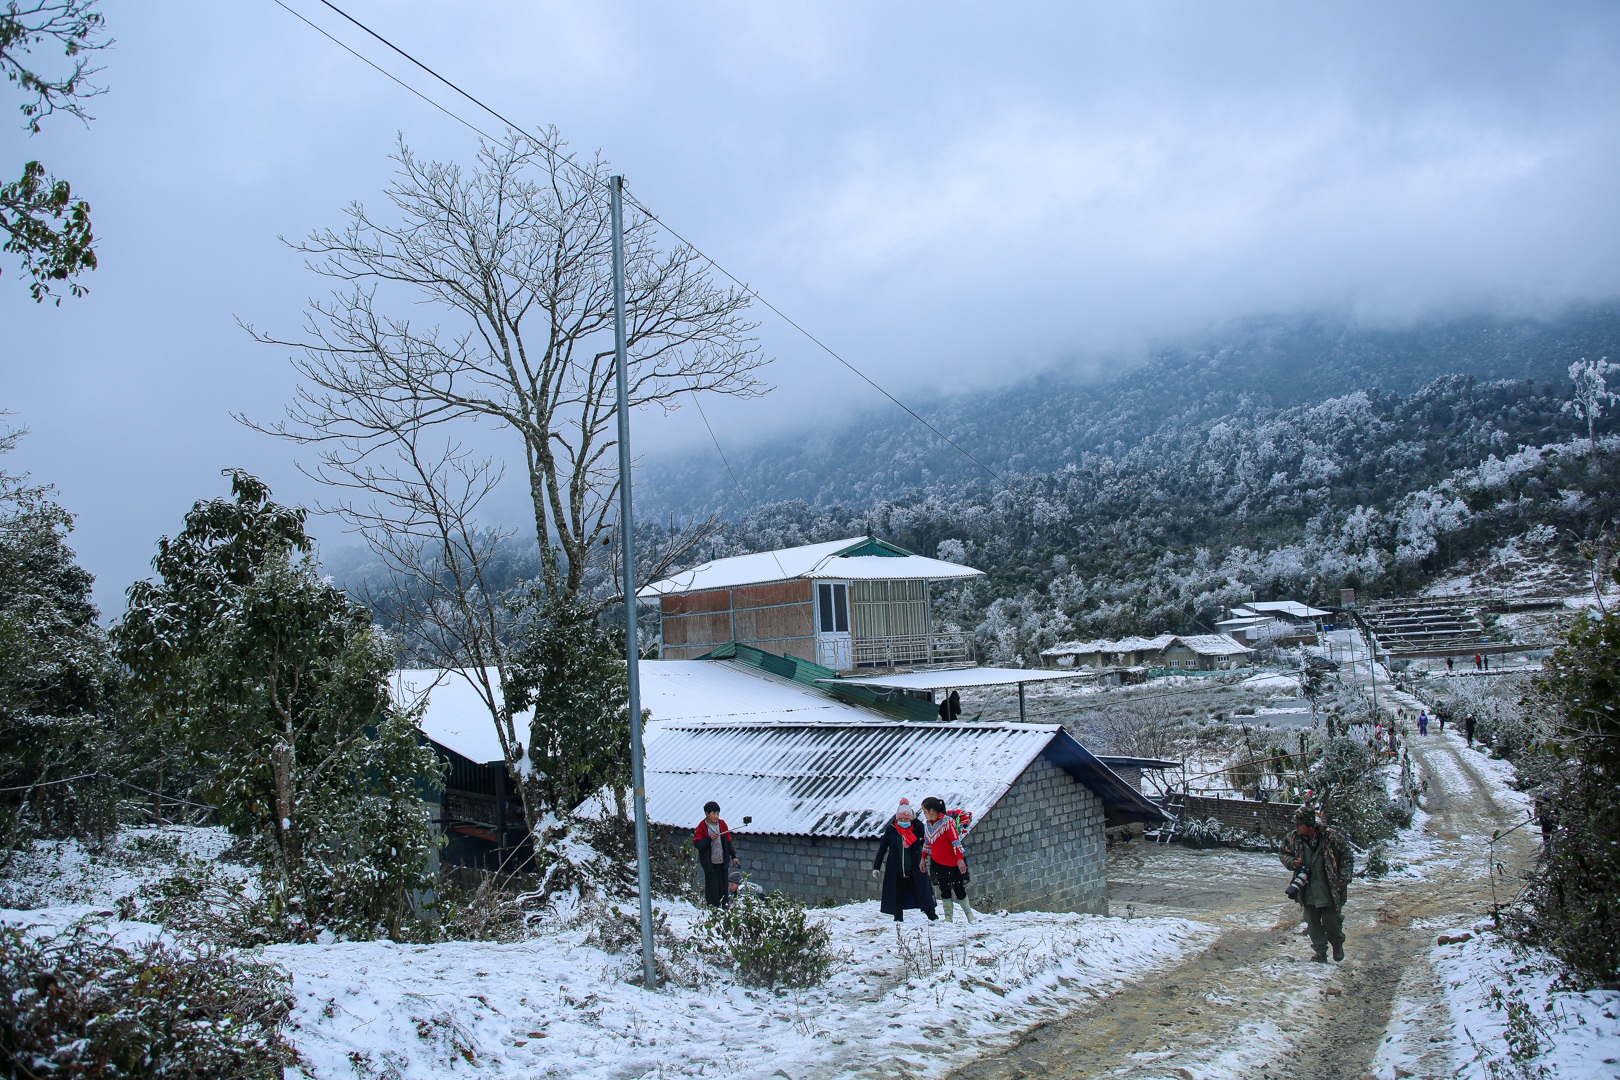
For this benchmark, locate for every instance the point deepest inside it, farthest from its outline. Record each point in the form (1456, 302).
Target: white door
(835, 648)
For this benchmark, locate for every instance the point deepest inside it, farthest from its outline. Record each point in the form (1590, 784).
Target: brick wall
(1040, 848)
(1267, 818)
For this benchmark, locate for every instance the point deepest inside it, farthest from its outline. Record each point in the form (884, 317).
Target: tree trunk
(281, 761)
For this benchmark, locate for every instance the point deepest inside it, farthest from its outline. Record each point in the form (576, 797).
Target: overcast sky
(954, 194)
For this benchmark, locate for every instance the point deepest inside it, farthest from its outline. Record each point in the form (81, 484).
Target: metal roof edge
(1118, 798)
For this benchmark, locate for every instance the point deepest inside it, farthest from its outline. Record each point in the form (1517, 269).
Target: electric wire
(747, 289)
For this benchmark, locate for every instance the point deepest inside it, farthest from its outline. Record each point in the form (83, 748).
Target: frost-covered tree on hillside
(275, 686)
(57, 682)
(1592, 393)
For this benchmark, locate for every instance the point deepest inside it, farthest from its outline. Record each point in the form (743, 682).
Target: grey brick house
(807, 783)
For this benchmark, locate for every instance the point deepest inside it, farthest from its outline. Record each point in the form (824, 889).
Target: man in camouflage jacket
(1327, 853)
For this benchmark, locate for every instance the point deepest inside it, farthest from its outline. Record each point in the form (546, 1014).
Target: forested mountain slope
(1290, 461)
(1162, 515)
(1048, 423)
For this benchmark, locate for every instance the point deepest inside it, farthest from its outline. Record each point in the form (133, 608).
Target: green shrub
(1350, 782)
(84, 1004)
(770, 941)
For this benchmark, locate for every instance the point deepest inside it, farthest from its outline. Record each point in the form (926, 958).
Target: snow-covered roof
(961, 678)
(455, 715)
(687, 690)
(1282, 607)
(844, 778)
(1213, 645)
(1203, 644)
(1244, 622)
(851, 559)
(1158, 643)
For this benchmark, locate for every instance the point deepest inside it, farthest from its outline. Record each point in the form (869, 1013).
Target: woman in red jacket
(944, 856)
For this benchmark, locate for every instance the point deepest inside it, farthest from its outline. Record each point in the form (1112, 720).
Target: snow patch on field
(69, 872)
(930, 999)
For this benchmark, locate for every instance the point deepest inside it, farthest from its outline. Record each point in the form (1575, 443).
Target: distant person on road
(716, 853)
(1440, 716)
(1448, 665)
(1325, 852)
(944, 859)
(1468, 729)
(1486, 660)
(1477, 665)
(899, 860)
(1423, 723)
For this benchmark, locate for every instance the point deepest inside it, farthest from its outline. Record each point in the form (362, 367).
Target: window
(832, 607)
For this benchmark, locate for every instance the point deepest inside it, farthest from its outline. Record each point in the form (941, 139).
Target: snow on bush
(86, 1001)
(770, 941)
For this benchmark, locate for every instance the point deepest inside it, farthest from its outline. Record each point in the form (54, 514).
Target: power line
(748, 290)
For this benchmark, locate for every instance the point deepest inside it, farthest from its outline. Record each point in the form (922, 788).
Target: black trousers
(949, 881)
(716, 883)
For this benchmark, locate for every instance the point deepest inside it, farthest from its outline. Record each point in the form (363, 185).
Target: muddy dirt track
(1253, 1004)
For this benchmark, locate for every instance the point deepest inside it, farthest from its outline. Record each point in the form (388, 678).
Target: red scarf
(907, 837)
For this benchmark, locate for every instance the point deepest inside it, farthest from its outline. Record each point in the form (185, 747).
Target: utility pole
(627, 549)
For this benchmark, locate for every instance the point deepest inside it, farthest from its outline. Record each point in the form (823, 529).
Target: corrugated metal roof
(1287, 607)
(831, 779)
(809, 561)
(846, 778)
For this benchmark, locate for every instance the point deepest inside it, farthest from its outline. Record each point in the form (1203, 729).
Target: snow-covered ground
(930, 997)
(1504, 1007)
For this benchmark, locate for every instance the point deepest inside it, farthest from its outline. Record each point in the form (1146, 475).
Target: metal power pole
(627, 548)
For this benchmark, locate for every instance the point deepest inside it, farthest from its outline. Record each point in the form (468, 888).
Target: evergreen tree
(56, 679)
(571, 672)
(1575, 893)
(274, 685)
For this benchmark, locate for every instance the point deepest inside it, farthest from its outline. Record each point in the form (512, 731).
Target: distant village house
(860, 603)
(1171, 652)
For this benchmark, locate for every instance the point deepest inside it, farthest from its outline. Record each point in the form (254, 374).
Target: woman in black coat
(899, 859)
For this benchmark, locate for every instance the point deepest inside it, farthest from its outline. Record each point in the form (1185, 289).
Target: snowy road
(1252, 1004)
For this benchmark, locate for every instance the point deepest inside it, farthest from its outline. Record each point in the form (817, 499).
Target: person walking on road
(1325, 852)
(1448, 665)
(716, 853)
(1423, 723)
(1468, 729)
(946, 863)
(900, 861)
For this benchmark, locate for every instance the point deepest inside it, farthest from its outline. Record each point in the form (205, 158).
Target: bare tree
(513, 256)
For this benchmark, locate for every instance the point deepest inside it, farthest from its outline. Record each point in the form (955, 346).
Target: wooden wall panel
(693, 603)
(774, 622)
(780, 592)
(803, 648)
(697, 629)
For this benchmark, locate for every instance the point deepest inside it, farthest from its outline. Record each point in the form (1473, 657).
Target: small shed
(479, 812)
(857, 603)
(808, 797)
